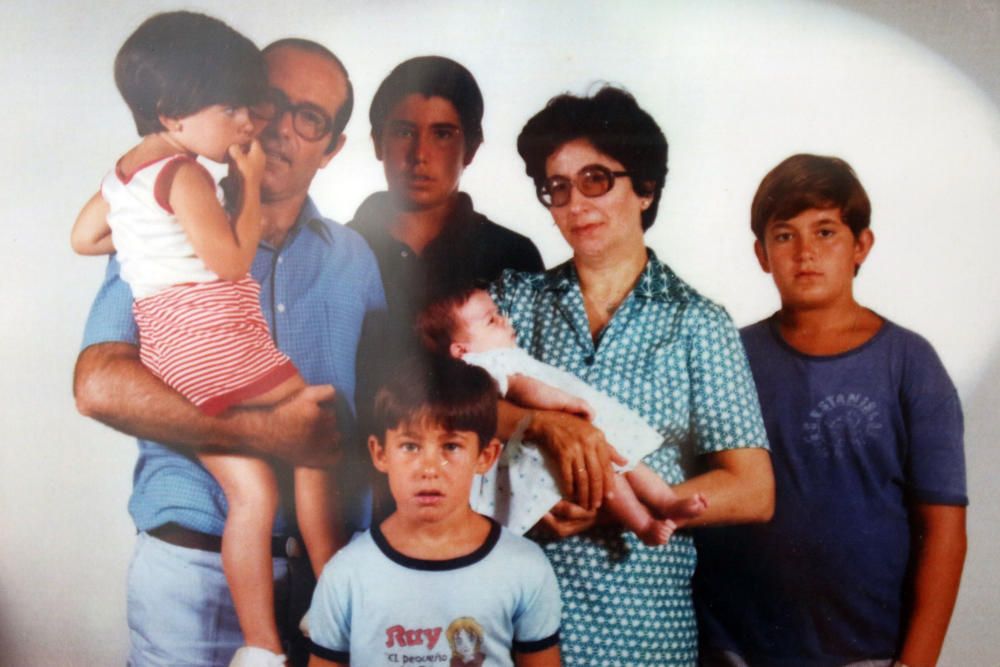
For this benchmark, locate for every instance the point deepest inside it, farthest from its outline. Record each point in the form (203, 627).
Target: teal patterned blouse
(676, 358)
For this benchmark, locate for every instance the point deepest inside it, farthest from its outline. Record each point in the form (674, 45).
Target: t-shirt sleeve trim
(329, 654)
(938, 498)
(536, 645)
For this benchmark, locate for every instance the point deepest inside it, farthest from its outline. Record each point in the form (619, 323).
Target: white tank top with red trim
(153, 250)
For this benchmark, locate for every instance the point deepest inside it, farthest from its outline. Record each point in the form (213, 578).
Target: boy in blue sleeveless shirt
(862, 561)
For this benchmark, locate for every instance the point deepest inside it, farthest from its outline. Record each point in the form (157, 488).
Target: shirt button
(281, 260)
(589, 360)
(403, 253)
(281, 307)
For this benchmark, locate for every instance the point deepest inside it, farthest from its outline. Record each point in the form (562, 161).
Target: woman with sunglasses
(618, 317)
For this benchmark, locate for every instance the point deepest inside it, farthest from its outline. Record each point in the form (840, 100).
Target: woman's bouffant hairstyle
(447, 392)
(614, 123)
(177, 63)
(804, 182)
(432, 76)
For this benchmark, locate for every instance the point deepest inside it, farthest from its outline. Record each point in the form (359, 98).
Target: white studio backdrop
(736, 87)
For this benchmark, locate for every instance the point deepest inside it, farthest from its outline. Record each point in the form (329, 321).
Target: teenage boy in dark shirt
(426, 120)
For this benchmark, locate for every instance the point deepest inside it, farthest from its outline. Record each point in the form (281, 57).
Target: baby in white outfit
(521, 489)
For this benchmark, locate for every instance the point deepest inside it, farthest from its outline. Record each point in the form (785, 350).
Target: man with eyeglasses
(323, 298)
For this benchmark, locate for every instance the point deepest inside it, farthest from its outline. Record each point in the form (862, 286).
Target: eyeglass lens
(593, 180)
(308, 122)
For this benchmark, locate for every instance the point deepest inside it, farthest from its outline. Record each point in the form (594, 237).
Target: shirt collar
(657, 281)
(309, 218)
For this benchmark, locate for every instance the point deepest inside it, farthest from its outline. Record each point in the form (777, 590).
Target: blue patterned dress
(676, 358)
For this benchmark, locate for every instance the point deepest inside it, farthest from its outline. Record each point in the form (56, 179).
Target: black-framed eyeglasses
(309, 121)
(593, 180)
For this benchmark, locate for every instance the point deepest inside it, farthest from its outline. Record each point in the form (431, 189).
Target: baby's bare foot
(657, 533)
(682, 509)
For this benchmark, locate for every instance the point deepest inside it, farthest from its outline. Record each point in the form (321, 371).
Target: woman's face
(604, 226)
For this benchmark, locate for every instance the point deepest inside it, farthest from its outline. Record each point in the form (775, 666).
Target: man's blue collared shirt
(321, 295)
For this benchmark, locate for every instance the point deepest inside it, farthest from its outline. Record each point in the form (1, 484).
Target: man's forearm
(112, 386)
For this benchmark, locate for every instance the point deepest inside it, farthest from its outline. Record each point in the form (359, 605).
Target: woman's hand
(581, 453)
(565, 519)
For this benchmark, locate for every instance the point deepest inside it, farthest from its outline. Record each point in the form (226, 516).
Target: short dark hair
(347, 108)
(448, 392)
(438, 322)
(614, 123)
(177, 63)
(804, 182)
(432, 76)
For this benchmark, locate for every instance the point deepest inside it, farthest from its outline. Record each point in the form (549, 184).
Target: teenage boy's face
(422, 152)
(812, 257)
(430, 469)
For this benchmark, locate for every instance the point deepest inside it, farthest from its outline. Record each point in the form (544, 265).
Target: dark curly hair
(614, 123)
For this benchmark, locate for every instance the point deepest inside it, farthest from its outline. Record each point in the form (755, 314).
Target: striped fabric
(210, 342)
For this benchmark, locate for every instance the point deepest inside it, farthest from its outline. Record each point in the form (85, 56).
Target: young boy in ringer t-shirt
(436, 583)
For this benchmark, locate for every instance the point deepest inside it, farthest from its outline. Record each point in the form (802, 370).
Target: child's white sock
(254, 656)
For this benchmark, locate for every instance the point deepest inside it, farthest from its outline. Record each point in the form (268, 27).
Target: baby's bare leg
(661, 499)
(318, 512)
(626, 507)
(252, 495)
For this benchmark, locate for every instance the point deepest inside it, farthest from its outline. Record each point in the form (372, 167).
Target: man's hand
(301, 430)
(582, 454)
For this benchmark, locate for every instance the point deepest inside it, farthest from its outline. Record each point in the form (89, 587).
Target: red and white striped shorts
(210, 342)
